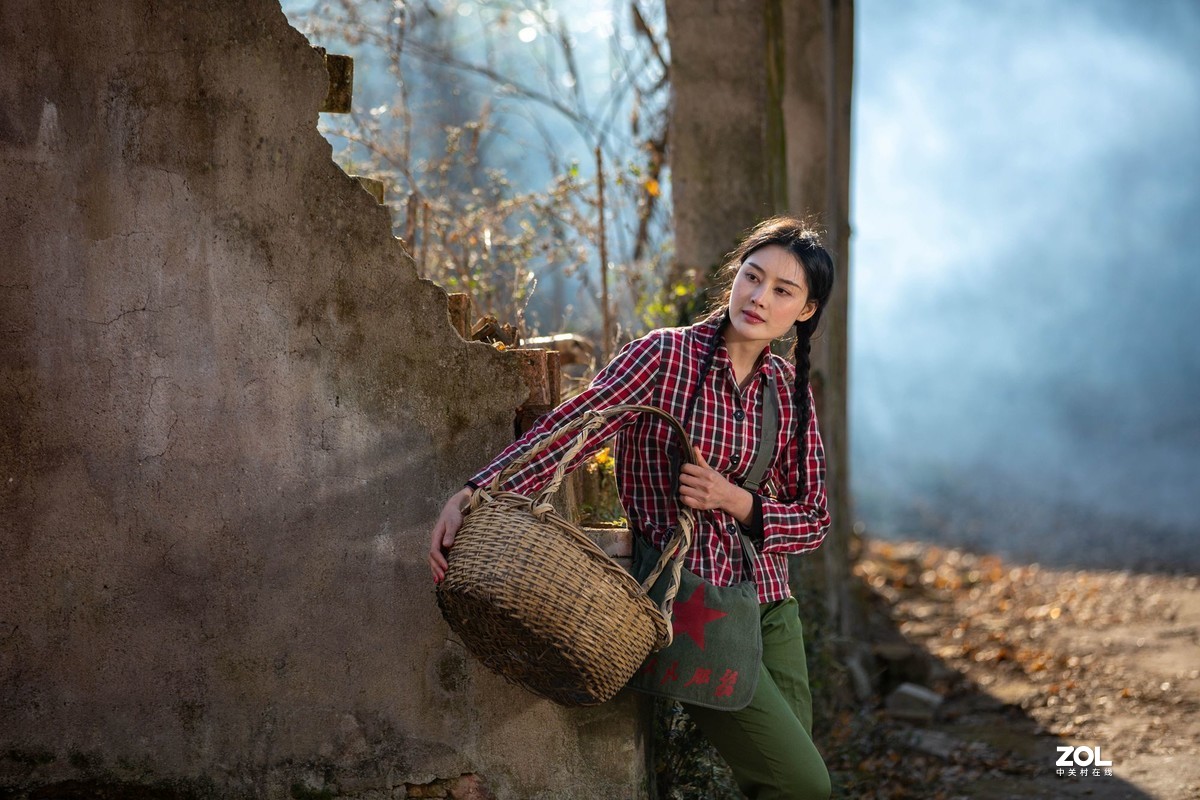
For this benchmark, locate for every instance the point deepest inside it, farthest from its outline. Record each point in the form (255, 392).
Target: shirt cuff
(754, 531)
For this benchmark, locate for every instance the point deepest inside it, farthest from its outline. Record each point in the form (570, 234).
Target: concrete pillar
(761, 125)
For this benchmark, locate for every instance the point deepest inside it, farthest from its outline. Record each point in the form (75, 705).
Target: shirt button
(739, 415)
(735, 458)
(731, 528)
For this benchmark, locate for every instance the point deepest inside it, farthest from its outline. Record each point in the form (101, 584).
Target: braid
(803, 358)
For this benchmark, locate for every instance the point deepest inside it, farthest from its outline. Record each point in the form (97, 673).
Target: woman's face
(769, 296)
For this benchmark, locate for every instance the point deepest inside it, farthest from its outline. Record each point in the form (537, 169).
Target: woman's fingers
(701, 487)
(699, 476)
(444, 531)
(441, 541)
(437, 559)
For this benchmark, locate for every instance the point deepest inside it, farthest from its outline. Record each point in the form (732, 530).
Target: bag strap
(766, 444)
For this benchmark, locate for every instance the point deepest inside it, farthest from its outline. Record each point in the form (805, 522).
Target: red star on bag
(692, 615)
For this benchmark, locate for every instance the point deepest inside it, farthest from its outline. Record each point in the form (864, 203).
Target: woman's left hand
(703, 488)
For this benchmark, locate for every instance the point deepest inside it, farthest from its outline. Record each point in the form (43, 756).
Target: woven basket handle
(586, 424)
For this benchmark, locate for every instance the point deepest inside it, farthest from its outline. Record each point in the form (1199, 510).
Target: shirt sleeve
(799, 524)
(629, 378)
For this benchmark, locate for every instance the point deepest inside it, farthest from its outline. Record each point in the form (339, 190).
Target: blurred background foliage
(492, 124)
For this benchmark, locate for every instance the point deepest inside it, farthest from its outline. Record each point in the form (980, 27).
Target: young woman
(712, 377)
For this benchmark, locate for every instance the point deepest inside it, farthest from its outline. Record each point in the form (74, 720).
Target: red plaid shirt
(662, 369)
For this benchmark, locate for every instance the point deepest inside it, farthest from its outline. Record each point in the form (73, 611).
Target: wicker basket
(537, 601)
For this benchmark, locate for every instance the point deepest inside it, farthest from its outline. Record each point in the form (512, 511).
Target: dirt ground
(1026, 660)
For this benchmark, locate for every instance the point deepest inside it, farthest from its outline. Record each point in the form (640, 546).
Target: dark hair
(801, 239)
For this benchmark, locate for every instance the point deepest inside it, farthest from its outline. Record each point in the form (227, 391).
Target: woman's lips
(750, 315)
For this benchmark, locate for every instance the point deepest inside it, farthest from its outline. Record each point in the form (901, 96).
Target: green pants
(768, 744)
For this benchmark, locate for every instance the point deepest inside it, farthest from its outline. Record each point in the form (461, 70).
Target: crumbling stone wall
(231, 411)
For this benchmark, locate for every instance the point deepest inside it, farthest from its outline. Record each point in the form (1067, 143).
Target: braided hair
(803, 242)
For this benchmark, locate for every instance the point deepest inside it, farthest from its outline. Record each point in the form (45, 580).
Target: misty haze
(1024, 361)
